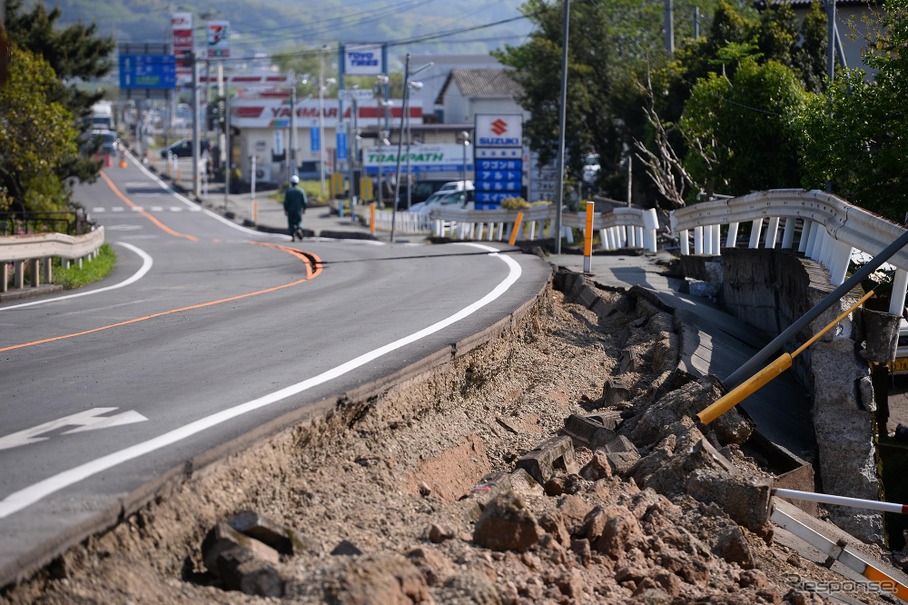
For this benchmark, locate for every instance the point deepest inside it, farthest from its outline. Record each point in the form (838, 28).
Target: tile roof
(493, 82)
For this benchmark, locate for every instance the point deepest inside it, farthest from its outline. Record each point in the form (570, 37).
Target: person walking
(295, 204)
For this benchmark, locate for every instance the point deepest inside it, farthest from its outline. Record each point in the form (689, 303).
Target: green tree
(607, 39)
(36, 136)
(75, 54)
(740, 130)
(854, 139)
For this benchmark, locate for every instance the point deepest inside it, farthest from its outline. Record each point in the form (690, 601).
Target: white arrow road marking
(88, 420)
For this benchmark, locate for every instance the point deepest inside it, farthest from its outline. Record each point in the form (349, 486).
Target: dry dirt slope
(388, 505)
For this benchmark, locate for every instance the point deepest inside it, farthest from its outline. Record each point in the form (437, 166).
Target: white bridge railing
(827, 228)
(620, 228)
(37, 250)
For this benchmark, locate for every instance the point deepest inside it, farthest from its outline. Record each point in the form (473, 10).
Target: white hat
(294, 179)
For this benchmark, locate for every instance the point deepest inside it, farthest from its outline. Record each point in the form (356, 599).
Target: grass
(90, 272)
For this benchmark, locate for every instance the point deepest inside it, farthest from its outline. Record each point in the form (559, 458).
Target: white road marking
(147, 263)
(29, 495)
(123, 228)
(88, 420)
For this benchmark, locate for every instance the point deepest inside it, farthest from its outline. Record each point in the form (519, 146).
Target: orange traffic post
(372, 218)
(516, 230)
(588, 238)
(764, 376)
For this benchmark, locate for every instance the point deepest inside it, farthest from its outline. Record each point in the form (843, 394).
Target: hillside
(267, 26)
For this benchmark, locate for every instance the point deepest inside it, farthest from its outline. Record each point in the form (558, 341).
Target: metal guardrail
(830, 229)
(35, 252)
(619, 228)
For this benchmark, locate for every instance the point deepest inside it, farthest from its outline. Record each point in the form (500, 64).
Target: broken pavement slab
(553, 454)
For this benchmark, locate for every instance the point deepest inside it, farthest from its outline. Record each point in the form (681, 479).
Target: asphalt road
(204, 333)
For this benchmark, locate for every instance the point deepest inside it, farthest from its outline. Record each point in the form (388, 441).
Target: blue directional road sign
(148, 71)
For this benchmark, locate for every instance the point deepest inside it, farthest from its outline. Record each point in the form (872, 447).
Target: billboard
(219, 39)
(499, 130)
(147, 71)
(423, 159)
(363, 59)
(498, 150)
(181, 39)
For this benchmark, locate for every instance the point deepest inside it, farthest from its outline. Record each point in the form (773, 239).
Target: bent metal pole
(767, 374)
(757, 360)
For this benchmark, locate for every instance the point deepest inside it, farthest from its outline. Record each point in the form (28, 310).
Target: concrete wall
(770, 289)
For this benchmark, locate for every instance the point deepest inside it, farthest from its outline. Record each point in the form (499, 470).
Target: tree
(606, 40)
(854, 139)
(36, 135)
(740, 130)
(75, 54)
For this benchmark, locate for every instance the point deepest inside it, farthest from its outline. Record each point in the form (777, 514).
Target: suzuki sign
(499, 130)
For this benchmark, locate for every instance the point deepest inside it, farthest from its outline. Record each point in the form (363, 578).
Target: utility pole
(196, 177)
(321, 118)
(291, 153)
(562, 121)
(669, 28)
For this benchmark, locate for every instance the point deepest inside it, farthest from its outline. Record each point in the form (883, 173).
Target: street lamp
(381, 144)
(405, 114)
(465, 140)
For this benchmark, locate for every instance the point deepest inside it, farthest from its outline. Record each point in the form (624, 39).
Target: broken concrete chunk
(346, 549)
(222, 537)
(279, 537)
(597, 468)
(622, 462)
(507, 524)
(615, 392)
(240, 570)
(746, 500)
(587, 430)
(619, 444)
(556, 453)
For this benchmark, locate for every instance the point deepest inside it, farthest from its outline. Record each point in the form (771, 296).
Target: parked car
(423, 189)
(183, 148)
(462, 200)
(100, 142)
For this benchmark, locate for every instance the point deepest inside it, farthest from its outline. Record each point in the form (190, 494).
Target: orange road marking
(132, 205)
(313, 269)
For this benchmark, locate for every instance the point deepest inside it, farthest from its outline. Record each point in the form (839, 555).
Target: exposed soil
(393, 488)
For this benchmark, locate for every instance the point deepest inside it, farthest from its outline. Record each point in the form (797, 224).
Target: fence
(619, 228)
(35, 252)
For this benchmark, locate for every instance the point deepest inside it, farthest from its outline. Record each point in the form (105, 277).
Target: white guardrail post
(31, 249)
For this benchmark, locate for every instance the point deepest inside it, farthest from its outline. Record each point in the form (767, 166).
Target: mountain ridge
(264, 27)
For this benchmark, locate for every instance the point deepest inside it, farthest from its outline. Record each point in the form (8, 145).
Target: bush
(94, 270)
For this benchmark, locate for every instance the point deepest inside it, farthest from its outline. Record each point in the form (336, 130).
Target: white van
(456, 186)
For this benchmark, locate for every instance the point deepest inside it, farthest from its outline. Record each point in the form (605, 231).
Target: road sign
(360, 94)
(148, 71)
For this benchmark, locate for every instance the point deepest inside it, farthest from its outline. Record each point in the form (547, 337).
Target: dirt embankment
(388, 505)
